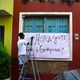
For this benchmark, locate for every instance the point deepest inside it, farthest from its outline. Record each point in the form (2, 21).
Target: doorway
(2, 34)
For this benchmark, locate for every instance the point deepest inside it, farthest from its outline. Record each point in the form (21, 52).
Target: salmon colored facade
(46, 7)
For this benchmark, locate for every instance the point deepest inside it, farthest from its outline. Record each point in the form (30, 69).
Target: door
(2, 34)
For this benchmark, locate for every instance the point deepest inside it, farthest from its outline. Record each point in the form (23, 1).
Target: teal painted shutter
(62, 25)
(57, 25)
(39, 24)
(33, 25)
(50, 24)
(28, 24)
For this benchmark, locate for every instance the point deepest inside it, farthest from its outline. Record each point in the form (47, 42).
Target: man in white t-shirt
(22, 47)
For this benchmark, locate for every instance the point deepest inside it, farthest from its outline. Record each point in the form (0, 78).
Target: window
(51, 23)
(2, 34)
(33, 24)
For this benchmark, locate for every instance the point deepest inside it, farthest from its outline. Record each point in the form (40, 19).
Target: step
(25, 79)
(25, 72)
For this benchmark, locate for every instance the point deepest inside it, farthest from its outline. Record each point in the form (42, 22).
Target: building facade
(6, 21)
(47, 17)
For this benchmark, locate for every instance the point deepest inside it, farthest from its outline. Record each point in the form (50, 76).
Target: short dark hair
(21, 34)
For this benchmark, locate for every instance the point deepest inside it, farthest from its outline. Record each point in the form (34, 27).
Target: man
(22, 47)
(22, 52)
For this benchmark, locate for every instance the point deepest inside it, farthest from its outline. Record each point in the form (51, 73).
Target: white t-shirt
(22, 45)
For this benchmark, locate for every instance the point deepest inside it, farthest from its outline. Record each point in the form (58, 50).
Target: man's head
(21, 35)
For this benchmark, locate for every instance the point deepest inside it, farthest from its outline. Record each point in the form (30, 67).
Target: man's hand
(32, 37)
